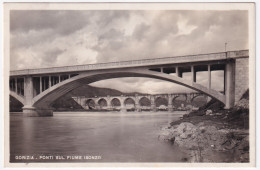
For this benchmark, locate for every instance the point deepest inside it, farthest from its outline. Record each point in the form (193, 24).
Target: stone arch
(144, 101)
(46, 98)
(195, 102)
(102, 103)
(115, 102)
(161, 101)
(129, 103)
(90, 103)
(182, 100)
(129, 100)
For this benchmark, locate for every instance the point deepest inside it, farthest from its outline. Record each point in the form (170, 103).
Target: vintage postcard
(129, 84)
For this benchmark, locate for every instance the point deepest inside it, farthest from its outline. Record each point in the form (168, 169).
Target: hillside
(67, 103)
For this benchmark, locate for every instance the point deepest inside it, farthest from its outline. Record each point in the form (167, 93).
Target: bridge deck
(136, 63)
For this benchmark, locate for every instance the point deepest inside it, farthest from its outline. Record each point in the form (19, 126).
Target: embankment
(212, 134)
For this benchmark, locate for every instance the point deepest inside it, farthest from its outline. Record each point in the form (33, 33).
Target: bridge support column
(153, 107)
(40, 84)
(193, 74)
(109, 106)
(49, 81)
(16, 89)
(230, 84)
(123, 108)
(188, 99)
(170, 108)
(178, 72)
(137, 107)
(209, 77)
(28, 109)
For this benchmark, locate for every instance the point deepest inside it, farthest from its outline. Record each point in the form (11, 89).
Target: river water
(92, 137)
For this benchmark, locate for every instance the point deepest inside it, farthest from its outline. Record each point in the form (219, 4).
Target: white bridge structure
(37, 89)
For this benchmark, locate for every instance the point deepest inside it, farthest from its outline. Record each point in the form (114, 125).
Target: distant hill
(67, 103)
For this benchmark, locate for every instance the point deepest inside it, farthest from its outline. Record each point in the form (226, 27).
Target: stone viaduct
(112, 102)
(37, 89)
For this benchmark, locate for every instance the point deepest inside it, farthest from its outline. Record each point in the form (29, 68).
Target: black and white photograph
(115, 83)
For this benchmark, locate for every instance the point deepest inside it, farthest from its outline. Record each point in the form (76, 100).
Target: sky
(41, 39)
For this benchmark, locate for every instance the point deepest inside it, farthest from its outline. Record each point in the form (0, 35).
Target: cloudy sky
(61, 38)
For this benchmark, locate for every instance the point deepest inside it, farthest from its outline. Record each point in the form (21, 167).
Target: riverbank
(212, 134)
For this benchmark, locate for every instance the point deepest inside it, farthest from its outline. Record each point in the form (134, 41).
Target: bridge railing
(156, 61)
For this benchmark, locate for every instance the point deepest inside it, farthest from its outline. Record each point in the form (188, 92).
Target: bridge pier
(35, 112)
(230, 84)
(137, 107)
(170, 109)
(153, 107)
(123, 109)
(109, 106)
(28, 109)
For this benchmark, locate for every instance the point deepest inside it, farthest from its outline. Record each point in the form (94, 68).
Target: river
(92, 137)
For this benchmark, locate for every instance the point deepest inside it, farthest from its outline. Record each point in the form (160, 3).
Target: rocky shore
(212, 134)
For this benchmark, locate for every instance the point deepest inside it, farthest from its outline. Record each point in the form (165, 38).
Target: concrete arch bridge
(37, 89)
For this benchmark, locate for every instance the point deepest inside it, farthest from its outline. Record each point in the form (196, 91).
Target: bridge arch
(115, 102)
(162, 100)
(46, 98)
(182, 100)
(90, 103)
(144, 101)
(102, 103)
(129, 101)
(15, 105)
(17, 97)
(193, 100)
(196, 96)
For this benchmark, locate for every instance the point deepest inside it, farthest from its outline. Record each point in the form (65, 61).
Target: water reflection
(117, 137)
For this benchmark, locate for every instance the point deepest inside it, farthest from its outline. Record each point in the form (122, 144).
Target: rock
(197, 113)
(218, 114)
(183, 136)
(243, 103)
(186, 127)
(185, 116)
(208, 112)
(201, 124)
(165, 134)
(211, 129)
(202, 129)
(243, 145)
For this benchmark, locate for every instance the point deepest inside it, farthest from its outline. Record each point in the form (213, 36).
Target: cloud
(62, 22)
(60, 38)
